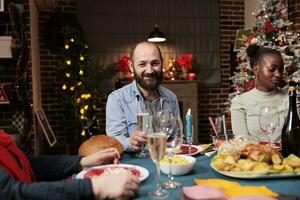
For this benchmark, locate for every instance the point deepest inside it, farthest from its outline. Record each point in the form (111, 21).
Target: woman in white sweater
(267, 65)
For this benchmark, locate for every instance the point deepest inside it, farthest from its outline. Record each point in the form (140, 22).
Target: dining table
(289, 187)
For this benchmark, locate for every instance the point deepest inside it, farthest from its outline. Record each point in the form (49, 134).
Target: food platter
(136, 170)
(184, 150)
(254, 175)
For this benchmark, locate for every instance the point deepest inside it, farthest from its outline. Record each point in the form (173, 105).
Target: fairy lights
(73, 71)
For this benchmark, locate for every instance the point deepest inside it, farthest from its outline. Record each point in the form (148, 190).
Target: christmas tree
(272, 29)
(74, 73)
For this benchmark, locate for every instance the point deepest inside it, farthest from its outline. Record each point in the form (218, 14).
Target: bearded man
(144, 93)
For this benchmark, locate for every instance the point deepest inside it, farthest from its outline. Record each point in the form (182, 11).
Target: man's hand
(115, 186)
(138, 140)
(101, 157)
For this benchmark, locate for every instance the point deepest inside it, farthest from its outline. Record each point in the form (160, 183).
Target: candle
(192, 76)
(189, 124)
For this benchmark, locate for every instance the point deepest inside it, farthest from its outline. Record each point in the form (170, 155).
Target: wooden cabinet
(187, 94)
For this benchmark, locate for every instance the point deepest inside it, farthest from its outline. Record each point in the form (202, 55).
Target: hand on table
(115, 186)
(101, 157)
(137, 140)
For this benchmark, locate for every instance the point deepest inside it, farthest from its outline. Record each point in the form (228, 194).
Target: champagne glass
(268, 120)
(144, 123)
(157, 146)
(174, 141)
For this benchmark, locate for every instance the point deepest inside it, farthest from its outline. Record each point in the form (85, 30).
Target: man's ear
(130, 65)
(255, 69)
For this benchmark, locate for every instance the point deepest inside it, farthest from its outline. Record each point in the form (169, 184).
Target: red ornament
(281, 43)
(268, 26)
(290, 69)
(250, 85)
(278, 14)
(245, 70)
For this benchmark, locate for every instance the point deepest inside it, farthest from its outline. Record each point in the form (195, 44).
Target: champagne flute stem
(158, 185)
(189, 148)
(170, 158)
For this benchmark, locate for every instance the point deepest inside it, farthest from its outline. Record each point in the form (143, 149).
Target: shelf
(5, 17)
(8, 60)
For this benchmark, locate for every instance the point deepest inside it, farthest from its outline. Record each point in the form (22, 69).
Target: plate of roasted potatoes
(254, 161)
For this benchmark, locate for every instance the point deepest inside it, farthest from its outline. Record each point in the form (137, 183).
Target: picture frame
(240, 33)
(43, 122)
(1, 5)
(3, 96)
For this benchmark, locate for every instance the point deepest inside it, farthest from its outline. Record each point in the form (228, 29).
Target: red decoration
(185, 61)
(123, 65)
(268, 26)
(192, 76)
(281, 43)
(245, 70)
(250, 85)
(290, 69)
(278, 14)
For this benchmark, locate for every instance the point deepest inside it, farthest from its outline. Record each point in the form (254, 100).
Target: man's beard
(148, 86)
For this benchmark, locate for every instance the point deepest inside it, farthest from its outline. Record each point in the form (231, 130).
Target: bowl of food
(181, 164)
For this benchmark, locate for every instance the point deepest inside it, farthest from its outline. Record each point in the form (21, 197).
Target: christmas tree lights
(73, 74)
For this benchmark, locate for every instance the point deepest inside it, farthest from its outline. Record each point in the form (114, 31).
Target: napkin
(207, 149)
(200, 192)
(204, 147)
(234, 189)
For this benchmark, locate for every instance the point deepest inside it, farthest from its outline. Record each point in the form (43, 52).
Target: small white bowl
(179, 169)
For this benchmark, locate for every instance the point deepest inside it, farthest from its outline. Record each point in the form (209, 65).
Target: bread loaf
(99, 142)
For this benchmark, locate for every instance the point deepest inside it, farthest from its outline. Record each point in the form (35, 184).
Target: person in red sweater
(44, 177)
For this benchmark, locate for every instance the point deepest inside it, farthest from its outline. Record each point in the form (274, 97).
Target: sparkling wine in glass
(157, 147)
(144, 123)
(268, 120)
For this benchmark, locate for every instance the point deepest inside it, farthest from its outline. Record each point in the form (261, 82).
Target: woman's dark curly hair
(256, 53)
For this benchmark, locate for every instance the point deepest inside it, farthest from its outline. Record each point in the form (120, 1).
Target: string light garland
(73, 74)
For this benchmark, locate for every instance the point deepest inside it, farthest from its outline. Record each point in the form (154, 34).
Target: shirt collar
(265, 94)
(137, 93)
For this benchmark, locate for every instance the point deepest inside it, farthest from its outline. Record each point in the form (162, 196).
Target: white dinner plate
(143, 172)
(254, 175)
(194, 150)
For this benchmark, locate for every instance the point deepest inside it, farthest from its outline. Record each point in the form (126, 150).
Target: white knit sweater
(245, 112)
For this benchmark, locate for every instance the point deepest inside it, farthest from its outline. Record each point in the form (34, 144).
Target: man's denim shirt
(122, 107)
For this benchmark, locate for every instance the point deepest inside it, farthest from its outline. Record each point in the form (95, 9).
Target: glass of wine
(144, 123)
(268, 120)
(157, 147)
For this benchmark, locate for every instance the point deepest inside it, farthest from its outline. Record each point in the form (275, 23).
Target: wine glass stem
(269, 139)
(170, 158)
(158, 185)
